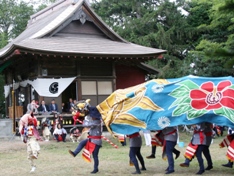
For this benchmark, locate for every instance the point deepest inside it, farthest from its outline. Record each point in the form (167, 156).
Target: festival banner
(161, 103)
(46, 87)
(51, 87)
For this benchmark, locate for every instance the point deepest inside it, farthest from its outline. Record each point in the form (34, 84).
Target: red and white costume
(228, 142)
(28, 124)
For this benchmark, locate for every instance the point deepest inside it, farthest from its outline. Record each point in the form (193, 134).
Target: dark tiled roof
(86, 44)
(35, 36)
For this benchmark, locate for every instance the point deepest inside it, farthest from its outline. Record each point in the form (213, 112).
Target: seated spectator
(32, 107)
(58, 119)
(69, 105)
(60, 133)
(53, 107)
(74, 102)
(74, 134)
(46, 127)
(63, 108)
(43, 107)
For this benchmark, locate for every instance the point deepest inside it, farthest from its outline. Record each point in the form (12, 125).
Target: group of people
(166, 138)
(59, 133)
(43, 107)
(69, 106)
(28, 126)
(199, 144)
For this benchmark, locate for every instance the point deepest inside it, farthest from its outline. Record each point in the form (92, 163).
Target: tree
(40, 4)
(3, 39)
(13, 19)
(226, 10)
(151, 23)
(216, 39)
(14, 16)
(22, 15)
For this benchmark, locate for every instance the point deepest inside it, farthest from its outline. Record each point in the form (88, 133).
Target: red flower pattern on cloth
(210, 97)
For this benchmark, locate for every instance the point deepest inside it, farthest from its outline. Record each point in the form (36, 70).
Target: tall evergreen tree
(215, 41)
(153, 23)
(13, 19)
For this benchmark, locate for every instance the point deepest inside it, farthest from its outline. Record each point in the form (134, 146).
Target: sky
(35, 3)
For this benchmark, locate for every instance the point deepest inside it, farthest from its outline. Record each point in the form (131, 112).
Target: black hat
(93, 112)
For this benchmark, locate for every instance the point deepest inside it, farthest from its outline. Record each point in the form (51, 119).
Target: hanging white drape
(24, 83)
(6, 90)
(51, 87)
(16, 86)
(46, 87)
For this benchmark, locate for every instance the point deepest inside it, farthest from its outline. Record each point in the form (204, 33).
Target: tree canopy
(13, 19)
(202, 37)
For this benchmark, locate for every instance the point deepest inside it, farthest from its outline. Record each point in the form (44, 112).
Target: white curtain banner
(16, 86)
(51, 87)
(24, 83)
(6, 90)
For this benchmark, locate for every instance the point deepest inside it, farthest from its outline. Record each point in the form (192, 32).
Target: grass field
(54, 160)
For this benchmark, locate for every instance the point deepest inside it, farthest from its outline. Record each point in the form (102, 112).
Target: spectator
(70, 104)
(32, 107)
(58, 119)
(74, 134)
(46, 127)
(43, 107)
(74, 102)
(64, 108)
(53, 107)
(60, 133)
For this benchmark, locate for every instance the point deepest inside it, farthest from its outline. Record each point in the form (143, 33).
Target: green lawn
(54, 160)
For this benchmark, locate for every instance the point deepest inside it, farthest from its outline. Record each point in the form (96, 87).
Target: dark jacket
(41, 108)
(55, 108)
